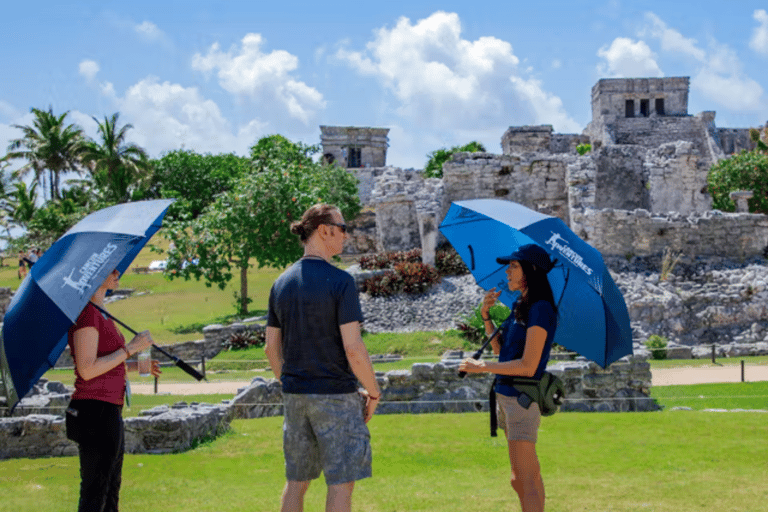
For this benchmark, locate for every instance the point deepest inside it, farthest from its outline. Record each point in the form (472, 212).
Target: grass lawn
(661, 462)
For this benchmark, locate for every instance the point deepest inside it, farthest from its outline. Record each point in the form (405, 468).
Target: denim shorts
(328, 434)
(519, 423)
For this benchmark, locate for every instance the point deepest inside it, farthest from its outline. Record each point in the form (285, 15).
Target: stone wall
(436, 387)
(536, 139)
(738, 236)
(536, 181)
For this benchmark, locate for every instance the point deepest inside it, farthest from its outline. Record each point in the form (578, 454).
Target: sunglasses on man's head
(342, 227)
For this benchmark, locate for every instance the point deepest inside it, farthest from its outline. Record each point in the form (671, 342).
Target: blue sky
(216, 76)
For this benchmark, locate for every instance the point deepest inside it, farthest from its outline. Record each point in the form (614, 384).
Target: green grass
(661, 462)
(732, 395)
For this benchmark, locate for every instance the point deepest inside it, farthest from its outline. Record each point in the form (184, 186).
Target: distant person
(316, 351)
(22, 265)
(523, 347)
(94, 416)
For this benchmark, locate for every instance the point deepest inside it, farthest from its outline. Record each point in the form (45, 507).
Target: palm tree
(116, 166)
(19, 205)
(47, 144)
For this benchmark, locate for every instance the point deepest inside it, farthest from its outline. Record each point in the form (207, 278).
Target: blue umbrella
(592, 315)
(60, 284)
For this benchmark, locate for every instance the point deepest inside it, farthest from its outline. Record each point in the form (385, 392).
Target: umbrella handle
(479, 353)
(181, 364)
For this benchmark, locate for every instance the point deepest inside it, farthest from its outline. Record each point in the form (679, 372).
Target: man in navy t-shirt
(316, 351)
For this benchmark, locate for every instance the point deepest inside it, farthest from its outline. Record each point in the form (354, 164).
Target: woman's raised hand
(489, 300)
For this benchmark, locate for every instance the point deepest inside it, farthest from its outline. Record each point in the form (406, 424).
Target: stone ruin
(641, 189)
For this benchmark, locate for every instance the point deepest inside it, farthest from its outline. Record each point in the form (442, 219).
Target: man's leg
(339, 498)
(293, 496)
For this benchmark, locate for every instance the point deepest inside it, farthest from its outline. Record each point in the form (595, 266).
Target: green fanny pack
(548, 392)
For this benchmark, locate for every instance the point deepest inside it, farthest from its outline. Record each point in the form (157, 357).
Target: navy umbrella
(60, 284)
(592, 315)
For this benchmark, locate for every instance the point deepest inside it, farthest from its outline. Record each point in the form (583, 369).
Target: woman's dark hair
(538, 289)
(316, 215)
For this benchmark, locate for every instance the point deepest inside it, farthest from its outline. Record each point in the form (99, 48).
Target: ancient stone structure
(353, 147)
(640, 190)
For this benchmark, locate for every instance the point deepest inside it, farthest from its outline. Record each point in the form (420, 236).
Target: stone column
(741, 197)
(428, 234)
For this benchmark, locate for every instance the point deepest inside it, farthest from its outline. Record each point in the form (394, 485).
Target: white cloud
(8, 111)
(626, 58)
(671, 40)
(442, 80)
(89, 69)
(169, 116)
(265, 77)
(548, 108)
(759, 40)
(149, 31)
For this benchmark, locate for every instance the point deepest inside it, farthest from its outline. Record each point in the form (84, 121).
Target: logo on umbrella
(567, 252)
(94, 264)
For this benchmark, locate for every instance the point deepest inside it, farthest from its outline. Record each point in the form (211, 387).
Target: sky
(215, 76)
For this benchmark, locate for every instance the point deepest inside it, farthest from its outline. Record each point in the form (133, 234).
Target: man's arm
(274, 350)
(360, 362)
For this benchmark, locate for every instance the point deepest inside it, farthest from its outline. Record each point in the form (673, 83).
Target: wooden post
(742, 370)
(155, 384)
(202, 361)
(713, 354)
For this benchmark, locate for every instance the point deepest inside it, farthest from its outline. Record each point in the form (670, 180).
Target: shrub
(449, 263)
(472, 327)
(412, 277)
(389, 259)
(659, 343)
(583, 149)
(242, 340)
(747, 170)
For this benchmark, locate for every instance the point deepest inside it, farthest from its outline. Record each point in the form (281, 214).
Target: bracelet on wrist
(370, 397)
(486, 319)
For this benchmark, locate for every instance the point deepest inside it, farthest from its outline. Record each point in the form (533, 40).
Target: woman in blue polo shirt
(523, 347)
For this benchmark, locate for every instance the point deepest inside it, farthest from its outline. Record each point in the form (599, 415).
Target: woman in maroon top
(94, 416)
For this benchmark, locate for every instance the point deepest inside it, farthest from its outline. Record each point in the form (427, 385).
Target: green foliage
(194, 180)
(449, 263)
(472, 326)
(434, 166)
(252, 220)
(47, 144)
(278, 148)
(117, 167)
(659, 343)
(245, 339)
(388, 259)
(583, 149)
(760, 138)
(411, 277)
(747, 170)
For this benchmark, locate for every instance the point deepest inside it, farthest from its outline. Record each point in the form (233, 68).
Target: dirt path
(661, 377)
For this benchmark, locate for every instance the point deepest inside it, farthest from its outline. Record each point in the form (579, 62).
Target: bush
(242, 340)
(389, 259)
(412, 277)
(747, 170)
(472, 327)
(449, 263)
(659, 343)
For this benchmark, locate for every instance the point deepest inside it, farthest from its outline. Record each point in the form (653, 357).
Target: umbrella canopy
(592, 315)
(60, 284)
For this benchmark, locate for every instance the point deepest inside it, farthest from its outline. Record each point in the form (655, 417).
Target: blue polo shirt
(513, 334)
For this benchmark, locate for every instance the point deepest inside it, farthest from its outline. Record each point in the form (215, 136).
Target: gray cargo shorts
(326, 433)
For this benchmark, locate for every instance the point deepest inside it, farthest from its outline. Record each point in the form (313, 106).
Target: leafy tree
(252, 221)
(436, 159)
(47, 144)
(116, 165)
(278, 148)
(20, 203)
(195, 179)
(747, 170)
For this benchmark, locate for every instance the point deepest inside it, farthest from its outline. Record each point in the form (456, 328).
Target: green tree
(252, 221)
(195, 179)
(747, 170)
(47, 144)
(274, 148)
(760, 138)
(436, 159)
(116, 165)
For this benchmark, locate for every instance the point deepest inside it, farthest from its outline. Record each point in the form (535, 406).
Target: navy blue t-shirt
(513, 334)
(308, 303)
